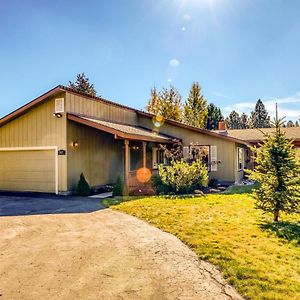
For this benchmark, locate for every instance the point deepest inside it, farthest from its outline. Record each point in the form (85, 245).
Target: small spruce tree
(83, 188)
(278, 172)
(118, 187)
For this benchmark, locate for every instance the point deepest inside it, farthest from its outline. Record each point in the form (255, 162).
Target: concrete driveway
(36, 204)
(99, 255)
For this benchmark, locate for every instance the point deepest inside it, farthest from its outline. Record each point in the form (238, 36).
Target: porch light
(75, 144)
(57, 115)
(135, 148)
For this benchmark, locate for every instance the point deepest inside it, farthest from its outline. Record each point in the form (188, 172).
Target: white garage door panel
(30, 170)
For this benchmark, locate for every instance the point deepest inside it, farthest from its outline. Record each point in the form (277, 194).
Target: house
(46, 144)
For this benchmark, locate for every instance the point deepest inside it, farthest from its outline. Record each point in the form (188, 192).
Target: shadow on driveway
(37, 204)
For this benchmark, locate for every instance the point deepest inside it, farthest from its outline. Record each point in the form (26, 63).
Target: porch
(140, 154)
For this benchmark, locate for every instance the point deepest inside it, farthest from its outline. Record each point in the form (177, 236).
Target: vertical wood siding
(225, 149)
(38, 127)
(98, 156)
(95, 108)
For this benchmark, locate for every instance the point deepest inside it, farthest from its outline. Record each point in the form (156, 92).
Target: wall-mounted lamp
(75, 144)
(57, 115)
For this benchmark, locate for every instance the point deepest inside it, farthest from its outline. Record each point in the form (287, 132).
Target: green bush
(183, 178)
(160, 187)
(83, 188)
(118, 187)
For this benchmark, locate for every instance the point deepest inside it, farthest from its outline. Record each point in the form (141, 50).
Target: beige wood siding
(38, 127)
(99, 109)
(225, 149)
(98, 156)
(32, 170)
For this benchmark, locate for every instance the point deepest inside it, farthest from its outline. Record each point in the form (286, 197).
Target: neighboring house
(47, 143)
(256, 135)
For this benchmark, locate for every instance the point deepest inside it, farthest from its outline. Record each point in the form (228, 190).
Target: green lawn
(261, 260)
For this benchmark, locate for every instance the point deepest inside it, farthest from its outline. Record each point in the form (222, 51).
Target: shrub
(213, 183)
(83, 188)
(183, 178)
(118, 187)
(160, 187)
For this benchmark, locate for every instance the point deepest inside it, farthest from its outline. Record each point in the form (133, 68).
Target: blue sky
(238, 50)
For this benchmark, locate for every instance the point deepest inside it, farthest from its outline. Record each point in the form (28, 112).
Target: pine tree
(244, 121)
(214, 116)
(233, 120)
(195, 108)
(153, 106)
(82, 85)
(260, 117)
(278, 172)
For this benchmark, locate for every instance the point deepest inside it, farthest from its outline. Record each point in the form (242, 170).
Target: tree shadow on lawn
(286, 230)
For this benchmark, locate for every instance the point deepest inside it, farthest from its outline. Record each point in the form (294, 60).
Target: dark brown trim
(29, 105)
(117, 133)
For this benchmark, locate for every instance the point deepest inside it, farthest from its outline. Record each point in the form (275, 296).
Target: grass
(241, 189)
(260, 259)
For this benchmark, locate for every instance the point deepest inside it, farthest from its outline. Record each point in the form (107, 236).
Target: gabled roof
(257, 134)
(122, 131)
(61, 88)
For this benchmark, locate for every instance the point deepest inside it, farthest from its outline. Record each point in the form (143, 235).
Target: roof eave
(118, 134)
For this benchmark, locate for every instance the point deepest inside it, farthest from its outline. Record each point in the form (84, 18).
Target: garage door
(30, 170)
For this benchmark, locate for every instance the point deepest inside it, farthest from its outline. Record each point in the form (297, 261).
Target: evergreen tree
(233, 120)
(118, 187)
(82, 85)
(195, 108)
(83, 188)
(260, 117)
(153, 106)
(290, 124)
(278, 172)
(244, 121)
(214, 116)
(296, 124)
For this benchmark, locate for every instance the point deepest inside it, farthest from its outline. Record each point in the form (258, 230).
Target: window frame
(240, 159)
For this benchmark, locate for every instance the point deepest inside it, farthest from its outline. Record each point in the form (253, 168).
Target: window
(200, 152)
(240, 158)
(207, 153)
(158, 157)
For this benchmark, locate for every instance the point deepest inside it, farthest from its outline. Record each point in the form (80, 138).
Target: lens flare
(158, 121)
(143, 175)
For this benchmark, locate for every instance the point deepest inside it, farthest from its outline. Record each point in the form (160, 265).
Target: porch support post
(144, 154)
(126, 183)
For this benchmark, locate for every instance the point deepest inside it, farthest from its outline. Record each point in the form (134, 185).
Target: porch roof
(121, 131)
